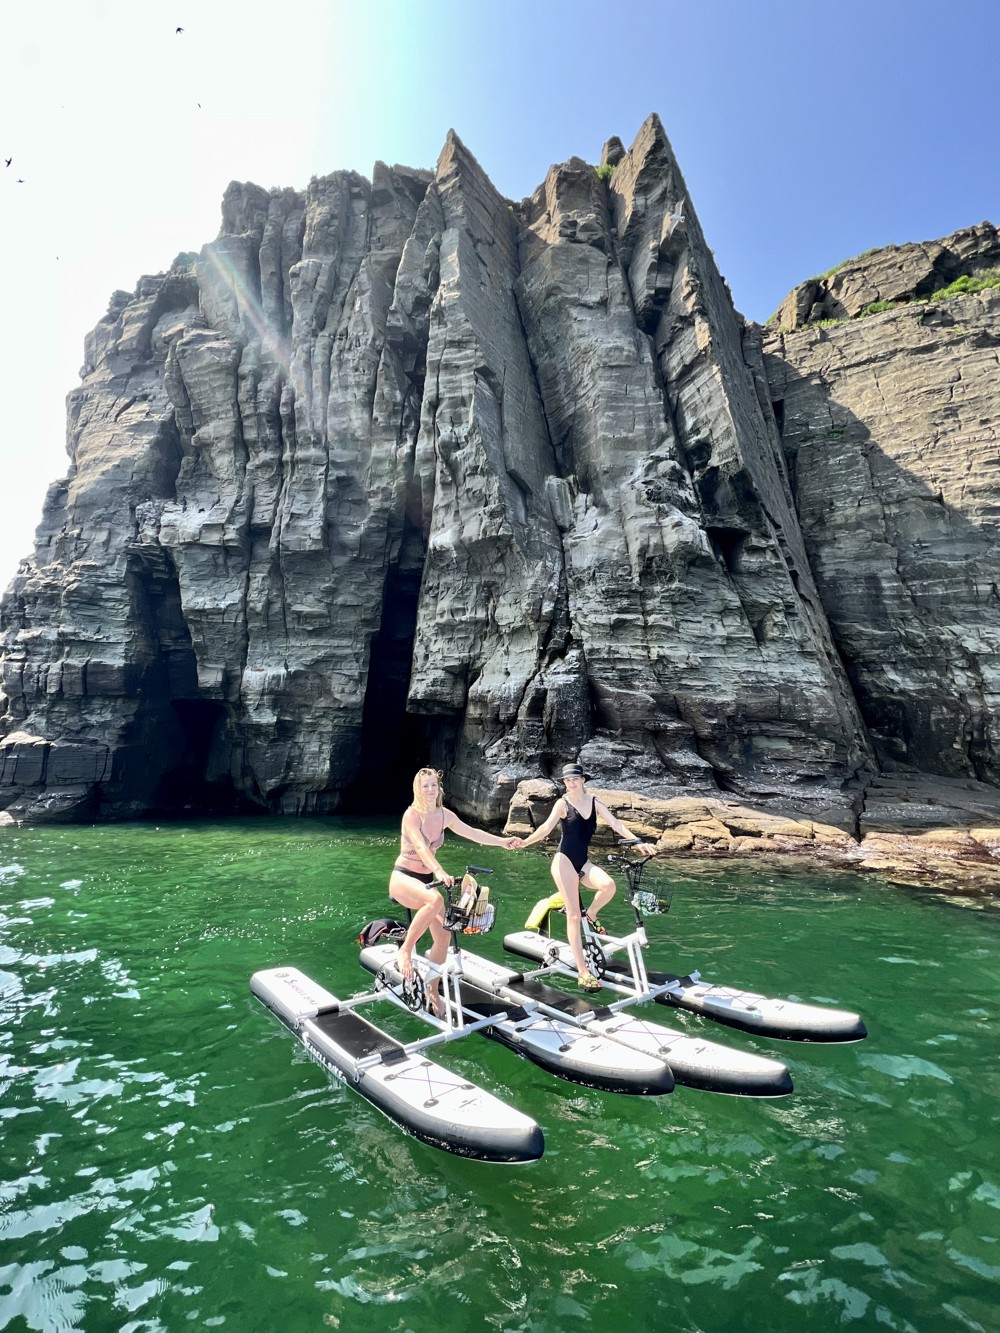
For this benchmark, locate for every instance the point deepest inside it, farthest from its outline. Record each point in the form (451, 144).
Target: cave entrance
(394, 742)
(187, 785)
(179, 739)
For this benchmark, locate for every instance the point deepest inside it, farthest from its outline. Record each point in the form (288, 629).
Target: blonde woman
(572, 866)
(417, 866)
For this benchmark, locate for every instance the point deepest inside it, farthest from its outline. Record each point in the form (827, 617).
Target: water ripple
(173, 1157)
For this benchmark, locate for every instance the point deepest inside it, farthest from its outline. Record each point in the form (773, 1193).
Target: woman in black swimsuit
(571, 865)
(417, 867)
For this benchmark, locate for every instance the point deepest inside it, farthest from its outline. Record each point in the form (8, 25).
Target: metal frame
(410, 996)
(598, 948)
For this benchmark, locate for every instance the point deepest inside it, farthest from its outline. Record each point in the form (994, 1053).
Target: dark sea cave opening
(179, 737)
(395, 742)
(189, 786)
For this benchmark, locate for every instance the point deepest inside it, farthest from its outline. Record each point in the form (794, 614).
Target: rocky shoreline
(920, 832)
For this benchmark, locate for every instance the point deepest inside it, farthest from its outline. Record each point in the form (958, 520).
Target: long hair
(418, 796)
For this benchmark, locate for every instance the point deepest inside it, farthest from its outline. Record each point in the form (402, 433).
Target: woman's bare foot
(404, 962)
(435, 1004)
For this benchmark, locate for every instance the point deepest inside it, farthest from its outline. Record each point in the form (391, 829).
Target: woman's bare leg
(427, 906)
(568, 884)
(603, 885)
(437, 953)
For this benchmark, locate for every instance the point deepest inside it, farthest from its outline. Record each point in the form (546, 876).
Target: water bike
(787, 1019)
(566, 1049)
(694, 1062)
(428, 1101)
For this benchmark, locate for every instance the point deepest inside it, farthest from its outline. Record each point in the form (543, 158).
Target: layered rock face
(890, 427)
(693, 624)
(398, 472)
(895, 274)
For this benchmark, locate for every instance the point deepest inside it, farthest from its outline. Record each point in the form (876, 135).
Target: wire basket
(650, 904)
(472, 913)
(481, 921)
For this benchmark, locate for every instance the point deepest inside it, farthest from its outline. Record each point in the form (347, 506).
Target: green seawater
(172, 1159)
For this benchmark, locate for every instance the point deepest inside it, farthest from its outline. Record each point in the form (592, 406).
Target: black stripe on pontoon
(485, 1004)
(655, 978)
(554, 999)
(358, 1037)
(394, 1057)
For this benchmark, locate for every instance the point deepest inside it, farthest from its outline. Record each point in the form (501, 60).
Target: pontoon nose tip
(533, 1146)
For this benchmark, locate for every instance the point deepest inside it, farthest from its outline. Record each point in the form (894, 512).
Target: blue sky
(807, 132)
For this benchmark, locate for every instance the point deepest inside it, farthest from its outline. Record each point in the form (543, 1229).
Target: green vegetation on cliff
(965, 285)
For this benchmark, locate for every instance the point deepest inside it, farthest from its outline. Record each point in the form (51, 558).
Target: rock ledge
(896, 843)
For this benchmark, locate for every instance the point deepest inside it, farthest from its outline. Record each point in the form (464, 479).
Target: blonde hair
(418, 798)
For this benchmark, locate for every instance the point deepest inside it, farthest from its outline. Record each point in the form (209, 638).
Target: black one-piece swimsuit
(577, 831)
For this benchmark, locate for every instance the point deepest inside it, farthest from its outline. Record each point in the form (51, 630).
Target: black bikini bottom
(425, 877)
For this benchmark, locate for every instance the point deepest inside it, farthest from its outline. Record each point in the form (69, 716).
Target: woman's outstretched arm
(557, 812)
(606, 817)
(463, 830)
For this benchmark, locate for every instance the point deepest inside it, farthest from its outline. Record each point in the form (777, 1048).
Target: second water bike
(619, 962)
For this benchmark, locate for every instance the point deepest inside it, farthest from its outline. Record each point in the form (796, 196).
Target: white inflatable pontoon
(696, 1063)
(432, 1103)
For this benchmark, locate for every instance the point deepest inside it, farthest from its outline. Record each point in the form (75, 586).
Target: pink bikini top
(407, 851)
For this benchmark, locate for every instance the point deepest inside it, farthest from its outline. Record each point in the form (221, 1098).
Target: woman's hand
(514, 844)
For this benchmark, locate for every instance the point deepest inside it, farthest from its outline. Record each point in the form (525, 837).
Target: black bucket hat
(575, 771)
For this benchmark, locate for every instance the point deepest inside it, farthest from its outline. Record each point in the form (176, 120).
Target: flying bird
(7, 161)
(177, 30)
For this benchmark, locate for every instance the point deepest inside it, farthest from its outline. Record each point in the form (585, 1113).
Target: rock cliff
(402, 471)
(889, 426)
